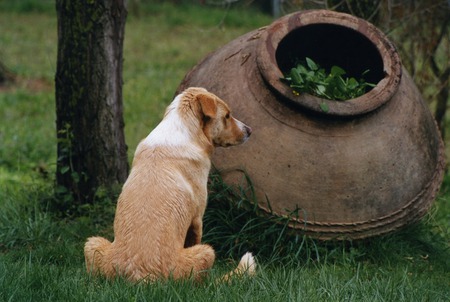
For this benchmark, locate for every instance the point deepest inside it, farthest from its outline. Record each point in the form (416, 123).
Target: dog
(158, 220)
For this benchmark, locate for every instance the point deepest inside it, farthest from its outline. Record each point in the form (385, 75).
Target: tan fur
(158, 222)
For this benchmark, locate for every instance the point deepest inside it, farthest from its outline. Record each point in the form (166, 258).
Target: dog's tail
(246, 267)
(95, 251)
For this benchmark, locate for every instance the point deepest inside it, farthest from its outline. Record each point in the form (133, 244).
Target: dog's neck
(180, 131)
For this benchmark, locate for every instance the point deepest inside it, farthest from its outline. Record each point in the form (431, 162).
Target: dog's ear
(208, 105)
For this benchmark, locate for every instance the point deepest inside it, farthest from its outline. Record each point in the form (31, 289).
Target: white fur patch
(171, 131)
(247, 265)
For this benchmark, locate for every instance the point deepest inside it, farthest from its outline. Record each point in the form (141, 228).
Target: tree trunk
(92, 153)
(442, 102)
(442, 74)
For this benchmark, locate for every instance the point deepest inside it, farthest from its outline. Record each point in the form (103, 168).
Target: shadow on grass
(233, 225)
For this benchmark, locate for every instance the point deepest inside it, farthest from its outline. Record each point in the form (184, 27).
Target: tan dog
(158, 222)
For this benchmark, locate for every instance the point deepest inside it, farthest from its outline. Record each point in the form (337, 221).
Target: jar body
(369, 166)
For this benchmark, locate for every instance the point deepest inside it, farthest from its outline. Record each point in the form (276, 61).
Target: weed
(310, 78)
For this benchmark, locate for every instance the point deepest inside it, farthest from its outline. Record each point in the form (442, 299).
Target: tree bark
(443, 77)
(91, 149)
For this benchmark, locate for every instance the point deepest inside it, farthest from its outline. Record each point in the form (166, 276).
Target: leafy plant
(311, 78)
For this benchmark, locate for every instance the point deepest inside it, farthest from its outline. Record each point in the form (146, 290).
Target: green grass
(41, 258)
(161, 46)
(41, 255)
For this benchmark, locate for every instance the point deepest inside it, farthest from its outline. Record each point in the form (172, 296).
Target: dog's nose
(248, 130)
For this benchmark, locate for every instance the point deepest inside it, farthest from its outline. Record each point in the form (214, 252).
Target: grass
(41, 255)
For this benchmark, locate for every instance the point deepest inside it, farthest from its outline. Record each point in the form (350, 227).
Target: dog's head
(218, 125)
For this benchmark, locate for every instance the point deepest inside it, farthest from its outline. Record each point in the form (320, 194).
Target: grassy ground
(41, 256)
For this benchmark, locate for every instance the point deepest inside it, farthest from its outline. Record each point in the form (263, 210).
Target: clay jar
(367, 166)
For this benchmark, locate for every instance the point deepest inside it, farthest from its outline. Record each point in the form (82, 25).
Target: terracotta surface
(368, 166)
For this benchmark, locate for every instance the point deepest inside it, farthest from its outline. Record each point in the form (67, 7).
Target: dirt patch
(30, 84)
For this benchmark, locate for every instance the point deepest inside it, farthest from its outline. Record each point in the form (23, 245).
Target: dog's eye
(227, 116)
(206, 119)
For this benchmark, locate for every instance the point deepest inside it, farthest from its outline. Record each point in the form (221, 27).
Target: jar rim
(272, 74)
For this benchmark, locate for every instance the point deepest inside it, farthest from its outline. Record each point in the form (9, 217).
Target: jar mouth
(330, 38)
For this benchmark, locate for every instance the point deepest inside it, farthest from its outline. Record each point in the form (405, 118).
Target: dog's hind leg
(194, 261)
(194, 233)
(95, 250)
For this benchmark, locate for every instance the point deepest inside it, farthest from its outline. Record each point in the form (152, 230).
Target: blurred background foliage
(418, 28)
